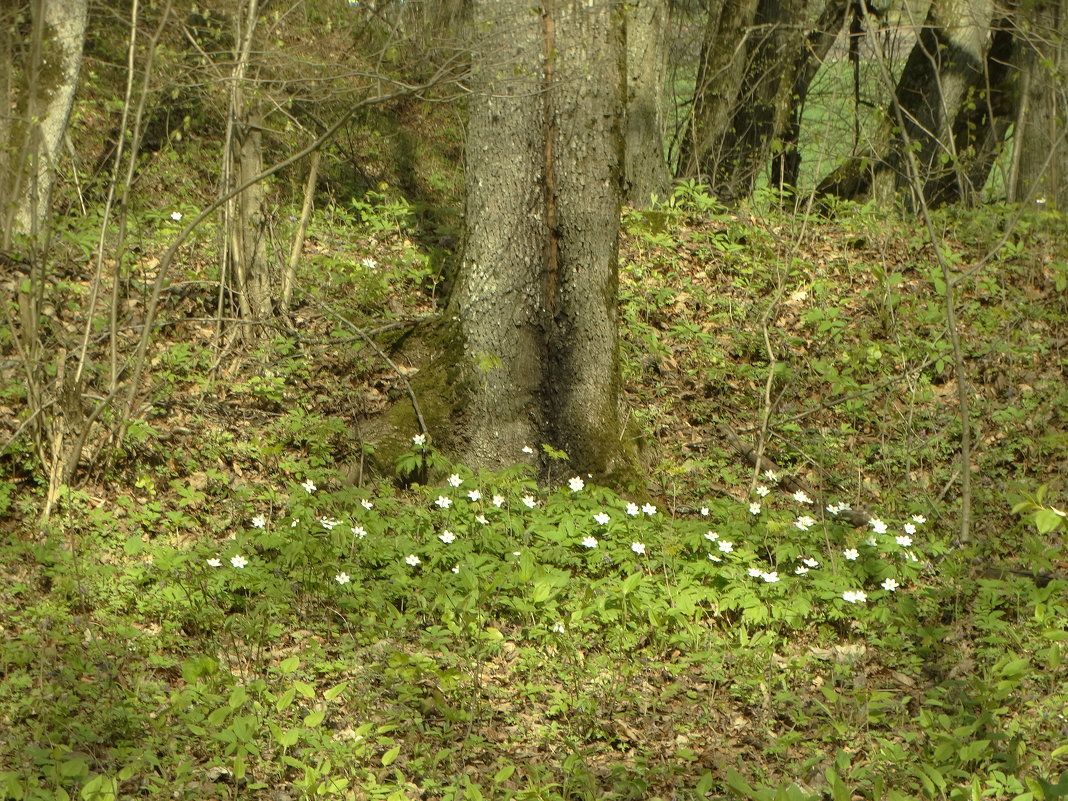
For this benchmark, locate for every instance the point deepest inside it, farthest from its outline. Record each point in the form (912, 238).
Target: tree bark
(720, 72)
(1042, 172)
(42, 94)
(646, 168)
(536, 296)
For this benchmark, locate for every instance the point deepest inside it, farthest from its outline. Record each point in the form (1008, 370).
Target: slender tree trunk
(42, 94)
(536, 297)
(245, 258)
(786, 165)
(646, 168)
(1042, 157)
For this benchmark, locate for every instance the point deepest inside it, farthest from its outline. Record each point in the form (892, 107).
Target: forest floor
(235, 604)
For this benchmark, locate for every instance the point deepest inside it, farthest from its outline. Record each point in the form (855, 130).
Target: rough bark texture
(719, 75)
(1043, 117)
(536, 297)
(245, 224)
(646, 168)
(42, 94)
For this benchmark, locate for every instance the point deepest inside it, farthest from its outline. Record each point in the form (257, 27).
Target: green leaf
(304, 689)
(314, 718)
(1015, 668)
(503, 774)
(390, 756)
(289, 738)
(285, 699)
(289, 665)
(335, 691)
(1046, 520)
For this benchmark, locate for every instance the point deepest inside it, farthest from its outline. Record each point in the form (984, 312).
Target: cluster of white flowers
(854, 596)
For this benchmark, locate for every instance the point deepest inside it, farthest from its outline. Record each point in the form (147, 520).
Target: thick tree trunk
(536, 297)
(42, 94)
(1042, 157)
(646, 168)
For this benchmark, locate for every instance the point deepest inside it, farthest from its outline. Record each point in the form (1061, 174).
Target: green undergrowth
(487, 638)
(234, 604)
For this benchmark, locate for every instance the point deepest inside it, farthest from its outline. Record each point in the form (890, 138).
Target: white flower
(576, 484)
(649, 509)
(369, 263)
(238, 561)
(366, 504)
(419, 440)
(870, 540)
(919, 520)
(455, 568)
(754, 572)
(475, 495)
(854, 596)
(481, 519)
(412, 559)
(342, 578)
(770, 476)
(804, 522)
(632, 509)
(309, 486)
(529, 502)
(443, 502)
(589, 542)
(296, 520)
(638, 547)
(712, 536)
(516, 553)
(909, 528)
(754, 508)
(527, 449)
(890, 585)
(833, 508)
(911, 556)
(215, 562)
(851, 554)
(259, 521)
(800, 570)
(904, 540)
(447, 537)
(176, 216)
(704, 511)
(713, 558)
(877, 525)
(802, 497)
(601, 518)
(762, 491)
(726, 546)
(359, 531)
(329, 523)
(771, 577)
(558, 628)
(498, 501)
(810, 562)
(455, 480)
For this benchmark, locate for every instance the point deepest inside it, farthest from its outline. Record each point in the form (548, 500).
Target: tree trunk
(944, 72)
(42, 95)
(719, 75)
(536, 296)
(245, 258)
(646, 168)
(1042, 158)
(786, 165)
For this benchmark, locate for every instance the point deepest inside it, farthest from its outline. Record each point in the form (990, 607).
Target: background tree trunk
(536, 296)
(41, 94)
(646, 168)
(1042, 157)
